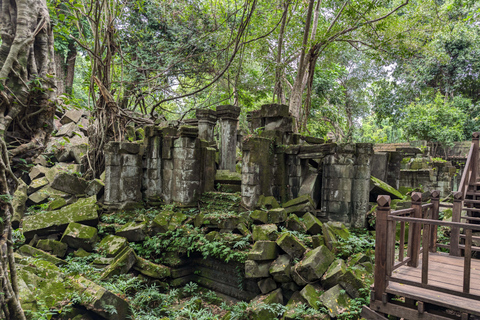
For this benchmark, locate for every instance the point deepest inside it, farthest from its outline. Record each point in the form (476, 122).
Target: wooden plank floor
(443, 271)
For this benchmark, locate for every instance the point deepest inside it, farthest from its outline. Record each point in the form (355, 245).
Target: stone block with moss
(259, 216)
(304, 199)
(352, 283)
(57, 203)
(315, 263)
(312, 296)
(94, 187)
(313, 225)
(122, 263)
(176, 220)
(338, 229)
(69, 183)
(280, 269)
(30, 251)
(112, 245)
(151, 269)
(291, 245)
(278, 215)
(335, 300)
(267, 285)
(263, 250)
(265, 232)
(160, 222)
(257, 310)
(256, 269)
(37, 184)
(317, 241)
(83, 211)
(18, 203)
(267, 202)
(379, 187)
(55, 247)
(295, 224)
(336, 270)
(80, 236)
(133, 232)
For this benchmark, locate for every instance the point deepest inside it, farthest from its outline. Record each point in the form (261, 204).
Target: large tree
(26, 117)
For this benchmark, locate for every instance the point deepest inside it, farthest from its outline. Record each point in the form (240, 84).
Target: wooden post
(475, 138)
(435, 214)
(380, 281)
(468, 261)
(415, 230)
(455, 232)
(426, 246)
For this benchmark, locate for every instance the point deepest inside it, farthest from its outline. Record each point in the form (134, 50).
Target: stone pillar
(168, 136)
(207, 119)
(152, 170)
(293, 170)
(361, 184)
(123, 175)
(338, 174)
(186, 166)
(258, 162)
(254, 120)
(228, 116)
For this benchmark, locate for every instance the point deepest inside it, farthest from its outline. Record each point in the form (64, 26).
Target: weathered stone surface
(256, 269)
(267, 202)
(242, 227)
(122, 263)
(315, 263)
(42, 195)
(312, 186)
(278, 215)
(54, 247)
(265, 232)
(335, 300)
(338, 229)
(69, 183)
(280, 269)
(263, 250)
(112, 245)
(317, 241)
(313, 225)
(378, 187)
(293, 223)
(36, 185)
(83, 211)
(311, 295)
(151, 269)
(336, 270)
(57, 203)
(67, 130)
(267, 285)
(18, 203)
(96, 298)
(30, 251)
(160, 222)
(37, 172)
(71, 116)
(300, 209)
(259, 216)
(259, 313)
(228, 177)
(79, 236)
(304, 199)
(291, 245)
(94, 187)
(351, 283)
(133, 232)
(176, 220)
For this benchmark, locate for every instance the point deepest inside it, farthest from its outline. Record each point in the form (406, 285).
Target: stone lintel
(206, 115)
(274, 111)
(228, 112)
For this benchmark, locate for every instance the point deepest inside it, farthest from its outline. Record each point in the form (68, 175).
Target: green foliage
(360, 241)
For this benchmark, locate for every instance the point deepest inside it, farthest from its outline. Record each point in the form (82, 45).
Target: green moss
(111, 245)
(379, 183)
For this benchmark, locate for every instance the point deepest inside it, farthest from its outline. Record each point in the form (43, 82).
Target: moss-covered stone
(112, 245)
(263, 250)
(293, 223)
(122, 263)
(266, 285)
(228, 177)
(30, 251)
(298, 201)
(313, 225)
(259, 216)
(133, 232)
(243, 229)
(57, 248)
(37, 184)
(278, 215)
(258, 312)
(57, 203)
(315, 263)
(335, 300)
(69, 183)
(317, 241)
(151, 269)
(160, 222)
(267, 202)
(79, 236)
(256, 269)
(18, 203)
(280, 269)
(265, 232)
(312, 296)
(336, 270)
(81, 253)
(291, 245)
(378, 187)
(338, 229)
(351, 283)
(94, 187)
(176, 220)
(83, 211)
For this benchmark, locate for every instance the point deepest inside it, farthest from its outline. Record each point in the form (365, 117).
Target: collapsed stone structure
(178, 163)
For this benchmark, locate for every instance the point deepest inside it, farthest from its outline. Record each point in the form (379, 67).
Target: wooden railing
(470, 172)
(422, 221)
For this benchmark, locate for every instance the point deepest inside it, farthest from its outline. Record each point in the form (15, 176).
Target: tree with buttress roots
(27, 107)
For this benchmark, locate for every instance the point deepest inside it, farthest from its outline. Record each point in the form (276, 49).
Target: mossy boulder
(37, 184)
(69, 183)
(315, 263)
(313, 225)
(265, 232)
(267, 202)
(291, 245)
(151, 269)
(84, 211)
(263, 250)
(312, 296)
(94, 187)
(352, 283)
(54, 247)
(122, 263)
(112, 245)
(338, 229)
(133, 232)
(259, 312)
(304, 199)
(30, 251)
(267, 285)
(335, 300)
(176, 220)
(57, 203)
(259, 216)
(278, 215)
(80, 236)
(317, 241)
(379, 187)
(160, 222)
(280, 269)
(293, 223)
(336, 270)
(256, 269)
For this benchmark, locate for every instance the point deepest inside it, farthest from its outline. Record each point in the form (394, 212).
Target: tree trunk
(60, 70)
(278, 90)
(71, 59)
(27, 72)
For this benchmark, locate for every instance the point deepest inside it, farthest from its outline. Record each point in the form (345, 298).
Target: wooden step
(471, 201)
(473, 193)
(472, 209)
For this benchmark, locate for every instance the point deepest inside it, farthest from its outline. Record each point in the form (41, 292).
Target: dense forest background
(369, 71)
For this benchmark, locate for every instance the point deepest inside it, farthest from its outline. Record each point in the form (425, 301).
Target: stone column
(152, 170)
(123, 175)
(228, 116)
(257, 166)
(361, 184)
(207, 119)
